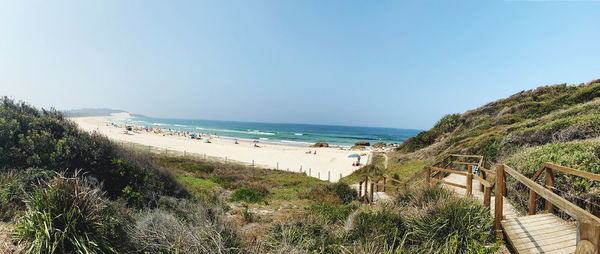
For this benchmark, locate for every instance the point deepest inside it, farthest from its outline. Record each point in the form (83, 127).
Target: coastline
(333, 160)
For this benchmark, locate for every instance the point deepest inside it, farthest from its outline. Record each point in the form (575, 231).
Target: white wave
(257, 132)
(298, 134)
(263, 138)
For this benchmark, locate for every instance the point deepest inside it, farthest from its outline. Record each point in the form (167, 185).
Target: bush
(386, 225)
(182, 226)
(462, 226)
(333, 213)
(305, 235)
(14, 185)
(247, 194)
(342, 191)
(448, 123)
(64, 217)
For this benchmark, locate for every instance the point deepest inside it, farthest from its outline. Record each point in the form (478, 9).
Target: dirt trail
(385, 163)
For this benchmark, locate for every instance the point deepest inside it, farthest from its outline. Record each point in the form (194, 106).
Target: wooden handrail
(482, 181)
(584, 174)
(466, 156)
(575, 211)
(449, 171)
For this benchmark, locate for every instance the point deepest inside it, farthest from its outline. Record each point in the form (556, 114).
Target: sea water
(292, 134)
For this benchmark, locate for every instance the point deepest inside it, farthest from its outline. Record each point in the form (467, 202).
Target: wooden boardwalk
(533, 233)
(542, 233)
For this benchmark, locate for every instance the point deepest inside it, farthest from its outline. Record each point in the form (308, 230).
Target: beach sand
(334, 161)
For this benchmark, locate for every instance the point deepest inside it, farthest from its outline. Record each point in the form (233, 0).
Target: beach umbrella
(205, 139)
(235, 139)
(255, 141)
(353, 155)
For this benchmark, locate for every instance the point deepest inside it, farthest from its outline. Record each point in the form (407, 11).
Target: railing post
(372, 185)
(427, 176)
(470, 182)
(487, 197)
(498, 203)
(532, 197)
(481, 174)
(384, 182)
(588, 238)
(549, 185)
(366, 184)
(359, 189)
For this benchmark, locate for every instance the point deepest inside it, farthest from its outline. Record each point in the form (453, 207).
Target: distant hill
(548, 114)
(94, 112)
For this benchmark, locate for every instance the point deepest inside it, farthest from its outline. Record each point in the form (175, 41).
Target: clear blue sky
(369, 63)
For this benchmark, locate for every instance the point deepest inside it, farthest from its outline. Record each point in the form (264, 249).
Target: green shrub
(305, 234)
(183, 226)
(448, 123)
(370, 225)
(64, 217)
(247, 194)
(333, 213)
(14, 185)
(462, 226)
(343, 191)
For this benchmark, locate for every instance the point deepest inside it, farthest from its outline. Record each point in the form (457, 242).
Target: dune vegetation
(63, 190)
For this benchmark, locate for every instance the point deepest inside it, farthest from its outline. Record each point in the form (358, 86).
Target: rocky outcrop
(320, 144)
(362, 143)
(379, 145)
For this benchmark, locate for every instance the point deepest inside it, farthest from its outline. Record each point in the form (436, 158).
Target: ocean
(282, 133)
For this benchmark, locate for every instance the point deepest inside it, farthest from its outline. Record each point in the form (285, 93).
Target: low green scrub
(248, 194)
(333, 213)
(384, 224)
(303, 235)
(65, 216)
(14, 185)
(338, 193)
(463, 226)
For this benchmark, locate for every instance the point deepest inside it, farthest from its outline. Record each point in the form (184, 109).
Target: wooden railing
(438, 171)
(588, 225)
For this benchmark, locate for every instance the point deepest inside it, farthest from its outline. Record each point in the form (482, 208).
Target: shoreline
(330, 161)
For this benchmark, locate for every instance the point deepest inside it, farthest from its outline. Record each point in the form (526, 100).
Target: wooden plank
(555, 233)
(448, 183)
(533, 248)
(571, 209)
(466, 156)
(449, 171)
(525, 240)
(465, 163)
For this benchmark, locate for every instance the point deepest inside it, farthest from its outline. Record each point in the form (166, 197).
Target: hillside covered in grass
(557, 123)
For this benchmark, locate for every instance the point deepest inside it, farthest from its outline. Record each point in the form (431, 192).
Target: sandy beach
(333, 161)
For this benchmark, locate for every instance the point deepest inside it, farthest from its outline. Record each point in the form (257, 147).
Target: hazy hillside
(91, 112)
